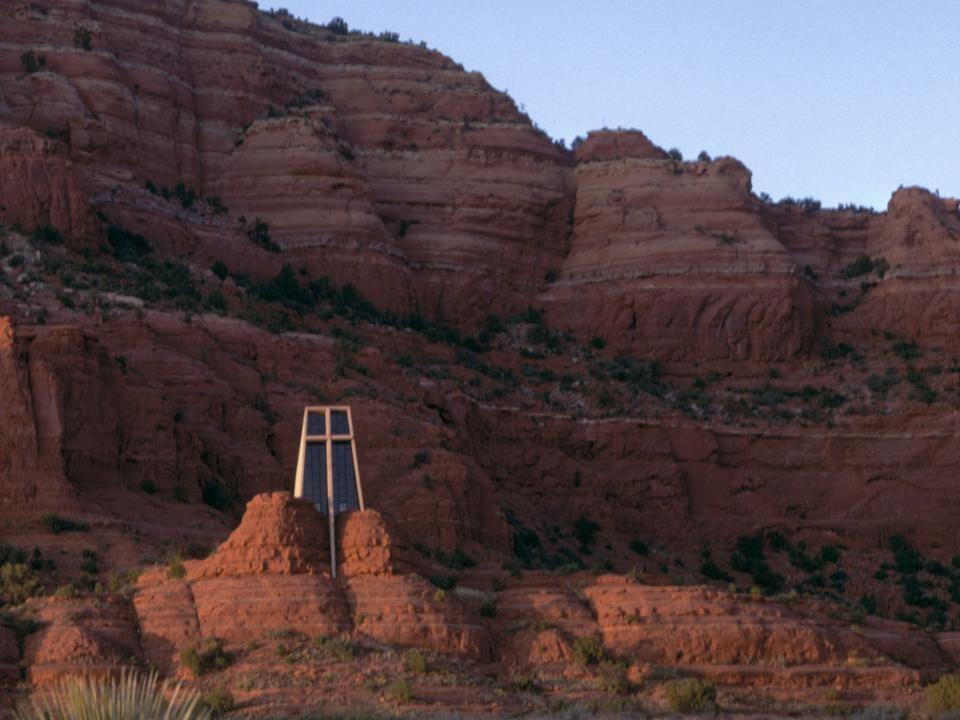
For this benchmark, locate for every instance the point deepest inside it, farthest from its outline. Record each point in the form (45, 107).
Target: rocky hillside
(599, 393)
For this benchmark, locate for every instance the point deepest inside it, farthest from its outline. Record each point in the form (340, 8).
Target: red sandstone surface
(601, 393)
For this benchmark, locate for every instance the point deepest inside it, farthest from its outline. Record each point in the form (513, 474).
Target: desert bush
(17, 583)
(338, 26)
(129, 697)
(175, 567)
(401, 691)
(488, 609)
(83, 39)
(675, 154)
(57, 524)
(220, 269)
(208, 655)
(944, 694)
(907, 349)
(861, 266)
(417, 662)
(336, 648)
(585, 531)
(457, 560)
(128, 246)
(259, 234)
(589, 650)
(47, 235)
(215, 302)
(421, 458)
(612, 677)
(218, 701)
(89, 562)
(31, 62)
(691, 695)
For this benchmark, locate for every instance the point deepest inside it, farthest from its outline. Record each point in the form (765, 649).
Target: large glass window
(339, 424)
(324, 472)
(316, 423)
(315, 475)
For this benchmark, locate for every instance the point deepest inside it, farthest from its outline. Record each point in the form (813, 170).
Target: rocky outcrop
(366, 546)
(672, 259)
(272, 576)
(40, 186)
(279, 535)
(79, 638)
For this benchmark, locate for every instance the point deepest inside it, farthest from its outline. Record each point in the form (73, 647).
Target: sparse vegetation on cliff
(31, 62)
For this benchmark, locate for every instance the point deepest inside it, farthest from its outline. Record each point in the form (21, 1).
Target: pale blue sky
(842, 100)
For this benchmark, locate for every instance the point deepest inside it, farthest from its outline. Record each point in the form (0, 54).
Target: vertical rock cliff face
(674, 260)
(52, 411)
(378, 163)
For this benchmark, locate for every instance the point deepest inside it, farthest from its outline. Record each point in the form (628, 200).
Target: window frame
(328, 438)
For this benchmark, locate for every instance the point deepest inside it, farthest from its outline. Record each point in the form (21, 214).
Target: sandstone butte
(621, 420)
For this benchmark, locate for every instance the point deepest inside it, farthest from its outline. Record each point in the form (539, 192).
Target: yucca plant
(131, 697)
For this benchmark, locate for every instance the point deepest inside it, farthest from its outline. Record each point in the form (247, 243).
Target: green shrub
(710, 570)
(338, 26)
(421, 458)
(639, 547)
(216, 496)
(31, 62)
(526, 684)
(585, 531)
(488, 609)
(129, 697)
(11, 554)
(148, 486)
(831, 351)
(66, 592)
(218, 701)
(209, 655)
(259, 234)
(17, 583)
(944, 694)
(175, 567)
(457, 560)
(190, 659)
(128, 246)
(417, 662)
(597, 342)
(907, 350)
(675, 154)
(46, 235)
(89, 562)
(401, 692)
(57, 524)
(216, 204)
(589, 650)
(691, 695)
(220, 269)
(83, 39)
(861, 266)
(444, 582)
(336, 648)
(215, 302)
(612, 677)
